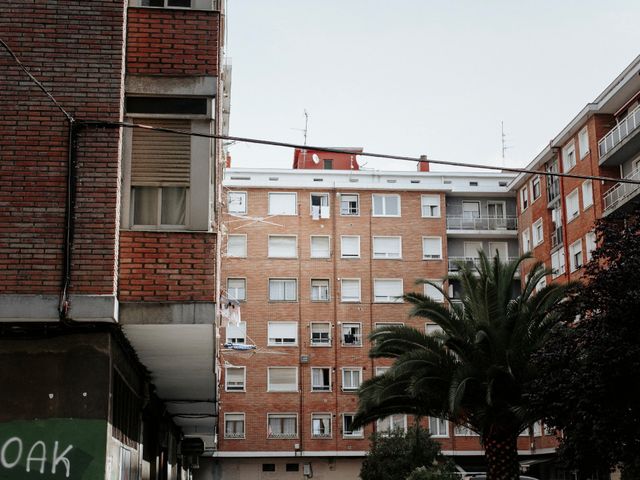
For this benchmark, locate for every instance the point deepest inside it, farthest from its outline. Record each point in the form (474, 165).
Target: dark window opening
(166, 3)
(268, 467)
(328, 165)
(169, 105)
(126, 412)
(292, 467)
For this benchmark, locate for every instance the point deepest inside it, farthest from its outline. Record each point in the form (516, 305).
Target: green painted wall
(53, 449)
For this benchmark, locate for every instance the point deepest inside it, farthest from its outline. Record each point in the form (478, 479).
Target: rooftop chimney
(423, 165)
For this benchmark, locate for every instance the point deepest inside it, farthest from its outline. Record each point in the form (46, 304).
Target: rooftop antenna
(304, 130)
(505, 147)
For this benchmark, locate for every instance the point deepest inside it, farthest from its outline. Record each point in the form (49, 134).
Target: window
(319, 205)
(569, 156)
(538, 233)
(430, 206)
(387, 247)
(393, 422)
(526, 241)
(541, 284)
(237, 288)
(432, 328)
(282, 425)
(388, 290)
(283, 289)
(470, 210)
(350, 246)
(237, 333)
(573, 205)
(432, 292)
(432, 248)
(438, 427)
(237, 202)
(321, 425)
(386, 205)
(524, 198)
(557, 263)
(351, 378)
(159, 206)
(587, 194)
(320, 334)
(292, 467)
(347, 427)
(536, 190)
(282, 204)
(320, 379)
(319, 290)
(237, 246)
(283, 246)
(234, 379)
(166, 3)
(583, 142)
(381, 370)
(320, 246)
(282, 379)
(464, 431)
(327, 165)
(590, 242)
(537, 429)
(349, 204)
(282, 333)
(352, 334)
(575, 255)
(234, 425)
(350, 290)
(268, 467)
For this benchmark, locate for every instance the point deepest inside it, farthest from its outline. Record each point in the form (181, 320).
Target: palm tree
(475, 371)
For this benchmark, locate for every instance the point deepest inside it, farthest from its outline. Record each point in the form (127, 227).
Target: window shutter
(235, 377)
(283, 330)
(161, 158)
(282, 246)
(282, 379)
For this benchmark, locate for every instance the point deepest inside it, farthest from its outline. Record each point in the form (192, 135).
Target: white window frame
(273, 212)
(315, 343)
(295, 280)
(569, 159)
(384, 197)
(463, 431)
(557, 257)
(431, 256)
(573, 213)
(342, 254)
(574, 249)
(591, 243)
(359, 433)
(292, 254)
(526, 240)
(587, 194)
(243, 247)
(537, 239)
(583, 142)
(311, 250)
(323, 388)
(431, 328)
(353, 373)
(289, 388)
(244, 288)
(280, 436)
(236, 436)
(322, 416)
(350, 300)
(289, 341)
(430, 206)
(437, 296)
(357, 213)
(437, 431)
(319, 288)
(387, 298)
(244, 379)
(357, 336)
(242, 328)
(393, 420)
(524, 198)
(377, 252)
(324, 211)
(536, 182)
(230, 202)
(381, 370)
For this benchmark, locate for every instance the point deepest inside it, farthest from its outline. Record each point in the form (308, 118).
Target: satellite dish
(315, 158)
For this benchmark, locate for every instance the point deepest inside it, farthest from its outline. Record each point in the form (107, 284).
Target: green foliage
(396, 455)
(436, 473)
(590, 387)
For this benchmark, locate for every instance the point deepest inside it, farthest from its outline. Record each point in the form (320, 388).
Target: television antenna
(304, 130)
(503, 137)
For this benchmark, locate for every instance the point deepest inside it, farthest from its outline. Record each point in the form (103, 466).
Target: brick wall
(172, 42)
(163, 267)
(75, 49)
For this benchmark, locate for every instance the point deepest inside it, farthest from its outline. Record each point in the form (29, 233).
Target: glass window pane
(174, 205)
(145, 201)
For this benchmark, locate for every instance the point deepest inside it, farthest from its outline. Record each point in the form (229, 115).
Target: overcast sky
(413, 77)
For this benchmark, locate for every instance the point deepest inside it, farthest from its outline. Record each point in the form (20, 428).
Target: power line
(364, 154)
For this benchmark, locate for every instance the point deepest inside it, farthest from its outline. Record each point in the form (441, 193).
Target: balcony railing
(621, 131)
(454, 262)
(455, 222)
(621, 192)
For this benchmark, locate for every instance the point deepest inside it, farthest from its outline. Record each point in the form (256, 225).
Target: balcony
(488, 225)
(454, 262)
(622, 141)
(621, 193)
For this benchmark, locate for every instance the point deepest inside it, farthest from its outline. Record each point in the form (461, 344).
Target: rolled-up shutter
(161, 158)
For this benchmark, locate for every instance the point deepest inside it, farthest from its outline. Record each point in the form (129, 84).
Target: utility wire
(36, 81)
(364, 154)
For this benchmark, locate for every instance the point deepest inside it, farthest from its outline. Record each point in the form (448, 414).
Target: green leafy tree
(475, 372)
(590, 387)
(394, 456)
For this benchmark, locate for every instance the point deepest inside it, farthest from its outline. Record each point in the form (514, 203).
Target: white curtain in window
(282, 290)
(174, 205)
(321, 425)
(145, 201)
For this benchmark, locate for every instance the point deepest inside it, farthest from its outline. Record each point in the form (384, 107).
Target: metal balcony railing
(621, 131)
(454, 262)
(621, 192)
(456, 222)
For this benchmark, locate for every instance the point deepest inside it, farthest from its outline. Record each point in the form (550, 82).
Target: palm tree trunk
(502, 457)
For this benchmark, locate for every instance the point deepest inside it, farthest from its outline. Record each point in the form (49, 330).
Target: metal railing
(454, 262)
(621, 192)
(457, 222)
(621, 131)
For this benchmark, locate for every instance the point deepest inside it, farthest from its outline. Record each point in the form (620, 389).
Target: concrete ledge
(204, 86)
(44, 308)
(186, 313)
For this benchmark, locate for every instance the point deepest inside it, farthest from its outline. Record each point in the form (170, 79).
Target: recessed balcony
(622, 193)
(622, 142)
(482, 225)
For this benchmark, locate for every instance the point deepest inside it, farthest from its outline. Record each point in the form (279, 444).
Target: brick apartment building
(109, 236)
(556, 215)
(313, 259)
